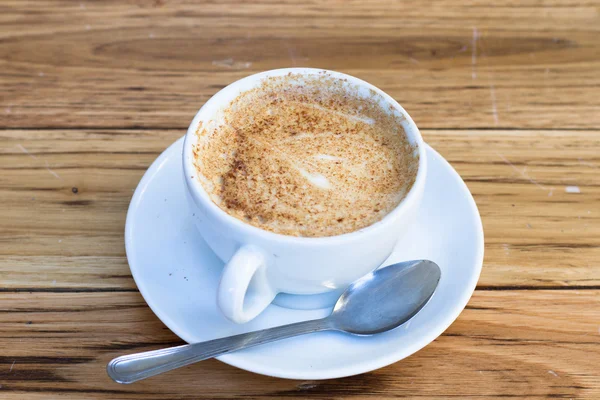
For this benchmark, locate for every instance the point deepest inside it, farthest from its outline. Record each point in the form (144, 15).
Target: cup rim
(199, 194)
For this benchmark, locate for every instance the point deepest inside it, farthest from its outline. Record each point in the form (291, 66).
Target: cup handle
(244, 290)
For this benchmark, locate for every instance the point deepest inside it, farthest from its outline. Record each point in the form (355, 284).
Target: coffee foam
(306, 156)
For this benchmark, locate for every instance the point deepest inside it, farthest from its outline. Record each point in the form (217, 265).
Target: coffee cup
(259, 263)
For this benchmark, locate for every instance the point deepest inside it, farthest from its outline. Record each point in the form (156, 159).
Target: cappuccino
(306, 156)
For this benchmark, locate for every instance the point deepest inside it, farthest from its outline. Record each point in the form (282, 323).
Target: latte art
(306, 156)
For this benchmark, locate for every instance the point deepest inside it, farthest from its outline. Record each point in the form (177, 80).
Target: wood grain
(537, 234)
(91, 92)
(521, 344)
(453, 64)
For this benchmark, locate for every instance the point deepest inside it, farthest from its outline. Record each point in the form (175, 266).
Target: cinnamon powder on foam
(306, 156)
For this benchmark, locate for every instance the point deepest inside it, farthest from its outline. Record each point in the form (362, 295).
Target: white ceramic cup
(258, 263)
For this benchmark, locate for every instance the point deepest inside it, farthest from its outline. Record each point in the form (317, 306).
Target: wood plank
(451, 64)
(505, 344)
(536, 231)
(537, 234)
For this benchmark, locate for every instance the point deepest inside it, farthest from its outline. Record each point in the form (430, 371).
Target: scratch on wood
(494, 108)
(587, 164)
(229, 63)
(552, 373)
(291, 54)
(524, 175)
(52, 172)
(474, 53)
(12, 366)
(24, 150)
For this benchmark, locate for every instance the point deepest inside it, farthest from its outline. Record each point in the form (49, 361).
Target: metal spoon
(378, 302)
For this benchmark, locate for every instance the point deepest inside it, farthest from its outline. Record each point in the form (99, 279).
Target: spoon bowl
(386, 298)
(378, 302)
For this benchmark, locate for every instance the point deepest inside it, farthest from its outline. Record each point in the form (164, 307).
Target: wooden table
(92, 91)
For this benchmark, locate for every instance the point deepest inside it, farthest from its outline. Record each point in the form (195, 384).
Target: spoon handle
(135, 367)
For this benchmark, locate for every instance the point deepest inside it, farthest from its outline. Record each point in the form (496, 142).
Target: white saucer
(178, 274)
